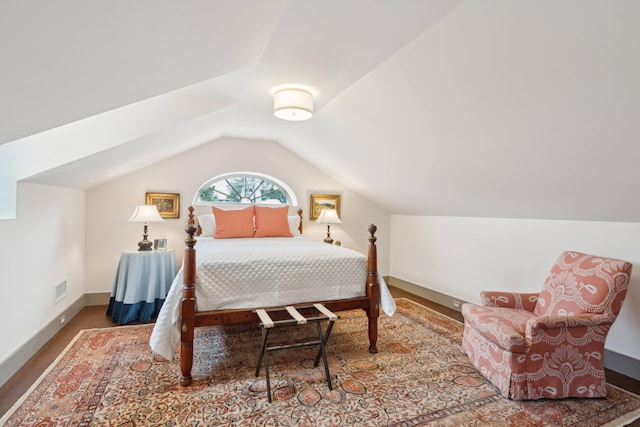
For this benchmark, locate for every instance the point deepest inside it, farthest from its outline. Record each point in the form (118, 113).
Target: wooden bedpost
(188, 303)
(300, 224)
(373, 290)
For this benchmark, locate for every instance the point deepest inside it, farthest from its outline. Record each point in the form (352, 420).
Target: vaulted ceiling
(441, 107)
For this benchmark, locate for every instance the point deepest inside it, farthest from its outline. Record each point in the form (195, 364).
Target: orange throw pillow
(233, 223)
(272, 222)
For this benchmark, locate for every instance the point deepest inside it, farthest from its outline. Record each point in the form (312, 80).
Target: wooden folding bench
(320, 313)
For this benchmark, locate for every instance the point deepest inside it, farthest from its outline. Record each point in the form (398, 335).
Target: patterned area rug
(420, 377)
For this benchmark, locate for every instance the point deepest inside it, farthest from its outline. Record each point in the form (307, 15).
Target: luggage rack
(320, 313)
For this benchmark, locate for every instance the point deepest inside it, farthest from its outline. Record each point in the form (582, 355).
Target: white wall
(462, 256)
(43, 246)
(109, 206)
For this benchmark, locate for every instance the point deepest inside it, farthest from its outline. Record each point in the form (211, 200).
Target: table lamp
(145, 213)
(329, 216)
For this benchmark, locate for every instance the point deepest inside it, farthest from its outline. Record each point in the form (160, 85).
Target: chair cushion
(580, 283)
(503, 326)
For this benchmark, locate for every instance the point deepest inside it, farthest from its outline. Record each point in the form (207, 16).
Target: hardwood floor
(88, 318)
(95, 317)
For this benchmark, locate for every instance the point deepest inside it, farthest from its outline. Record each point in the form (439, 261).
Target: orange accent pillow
(272, 222)
(233, 223)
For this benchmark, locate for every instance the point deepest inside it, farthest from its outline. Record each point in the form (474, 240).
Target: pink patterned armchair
(549, 344)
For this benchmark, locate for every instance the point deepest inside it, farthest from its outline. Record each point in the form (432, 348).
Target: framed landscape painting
(168, 204)
(323, 201)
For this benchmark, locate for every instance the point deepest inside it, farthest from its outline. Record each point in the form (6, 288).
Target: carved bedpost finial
(191, 217)
(372, 252)
(190, 229)
(300, 221)
(372, 230)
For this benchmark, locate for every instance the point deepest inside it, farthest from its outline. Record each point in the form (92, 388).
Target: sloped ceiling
(476, 108)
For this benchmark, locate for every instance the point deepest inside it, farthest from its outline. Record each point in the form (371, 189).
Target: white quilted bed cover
(264, 272)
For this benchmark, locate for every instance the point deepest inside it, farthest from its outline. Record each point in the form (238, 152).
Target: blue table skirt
(125, 313)
(141, 285)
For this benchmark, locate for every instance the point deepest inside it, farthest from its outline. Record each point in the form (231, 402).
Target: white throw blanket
(264, 272)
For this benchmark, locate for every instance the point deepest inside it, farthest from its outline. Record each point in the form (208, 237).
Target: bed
(233, 276)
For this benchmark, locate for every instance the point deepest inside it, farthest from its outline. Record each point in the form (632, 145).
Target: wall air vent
(59, 291)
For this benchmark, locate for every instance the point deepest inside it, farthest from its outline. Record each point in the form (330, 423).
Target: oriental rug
(420, 377)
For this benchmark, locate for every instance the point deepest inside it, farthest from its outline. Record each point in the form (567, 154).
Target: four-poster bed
(186, 316)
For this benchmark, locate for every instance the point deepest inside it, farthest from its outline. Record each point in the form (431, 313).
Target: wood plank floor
(95, 317)
(88, 318)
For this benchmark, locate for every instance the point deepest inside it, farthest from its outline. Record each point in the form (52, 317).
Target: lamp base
(145, 245)
(328, 239)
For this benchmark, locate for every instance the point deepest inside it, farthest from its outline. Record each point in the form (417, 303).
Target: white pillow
(294, 222)
(207, 224)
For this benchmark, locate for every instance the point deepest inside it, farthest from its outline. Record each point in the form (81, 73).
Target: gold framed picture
(168, 204)
(323, 201)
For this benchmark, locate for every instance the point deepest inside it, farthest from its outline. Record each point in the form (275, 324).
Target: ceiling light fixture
(293, 104)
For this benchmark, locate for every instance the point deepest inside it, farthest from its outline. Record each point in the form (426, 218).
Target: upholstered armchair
(549, 344)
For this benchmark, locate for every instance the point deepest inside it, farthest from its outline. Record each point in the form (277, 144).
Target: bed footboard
(370, 303)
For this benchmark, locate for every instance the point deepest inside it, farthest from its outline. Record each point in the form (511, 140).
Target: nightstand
(141, 285)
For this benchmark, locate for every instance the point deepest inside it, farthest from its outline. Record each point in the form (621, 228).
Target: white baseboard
(101, 298)
(425, 293)
(19, 357)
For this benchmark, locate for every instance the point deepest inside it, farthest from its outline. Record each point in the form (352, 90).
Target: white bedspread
(254, 273)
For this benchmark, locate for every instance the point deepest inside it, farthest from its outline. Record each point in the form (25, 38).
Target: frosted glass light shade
(293, 104)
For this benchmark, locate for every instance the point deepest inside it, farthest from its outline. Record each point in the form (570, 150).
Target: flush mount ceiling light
(293, 104)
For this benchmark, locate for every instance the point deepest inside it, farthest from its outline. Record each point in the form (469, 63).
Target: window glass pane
(243, 189)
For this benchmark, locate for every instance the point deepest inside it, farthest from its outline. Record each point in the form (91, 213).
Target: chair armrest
(521, 301)
(597, 322)
(576, 321)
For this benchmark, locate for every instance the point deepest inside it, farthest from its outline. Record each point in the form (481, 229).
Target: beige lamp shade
(293, 104)
(146, 213)
(329, 216)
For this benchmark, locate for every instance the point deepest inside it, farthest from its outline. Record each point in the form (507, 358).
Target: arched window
(245, 188)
